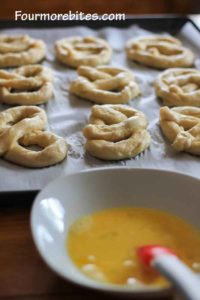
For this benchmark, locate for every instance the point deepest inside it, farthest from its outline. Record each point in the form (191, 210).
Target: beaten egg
(104, 245)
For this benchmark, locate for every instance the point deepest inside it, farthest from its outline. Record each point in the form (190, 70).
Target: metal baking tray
(170, 24)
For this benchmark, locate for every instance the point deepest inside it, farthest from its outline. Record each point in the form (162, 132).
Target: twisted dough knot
(20, 50)
(88, 51)
(181, 125)
(105, 85)
(116, 132)
(159, 52)
(28, 85)
(179, 87)
(23, 126)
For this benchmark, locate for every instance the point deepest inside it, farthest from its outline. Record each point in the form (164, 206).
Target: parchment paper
(67, 114)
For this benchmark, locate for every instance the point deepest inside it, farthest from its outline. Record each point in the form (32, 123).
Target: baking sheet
(68, 114)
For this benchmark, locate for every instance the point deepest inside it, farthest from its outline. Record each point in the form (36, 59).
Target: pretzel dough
(105, 85)
(23, 126)
(181, 125)
(116, 132)
(88, 51)
(20, 50)
(27, 85)
(159, 52)
(179, 87)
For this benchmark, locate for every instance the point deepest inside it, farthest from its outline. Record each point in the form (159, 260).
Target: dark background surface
(8, 7)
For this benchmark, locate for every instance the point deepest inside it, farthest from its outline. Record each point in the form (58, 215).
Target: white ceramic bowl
(67, 198)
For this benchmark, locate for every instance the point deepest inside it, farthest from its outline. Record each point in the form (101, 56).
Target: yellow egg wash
(103, 245)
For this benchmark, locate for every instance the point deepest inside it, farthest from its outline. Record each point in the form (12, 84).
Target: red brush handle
(148, 253)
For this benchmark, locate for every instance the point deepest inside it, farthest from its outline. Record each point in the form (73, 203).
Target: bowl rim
(108, 288)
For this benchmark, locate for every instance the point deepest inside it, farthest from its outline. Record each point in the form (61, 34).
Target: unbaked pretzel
(159, 52)
(23, 126)
(88, 51)
(27, 85)
(179, 87)
(105, 85)
(20, 50)
(116, 132)
(181, 125)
